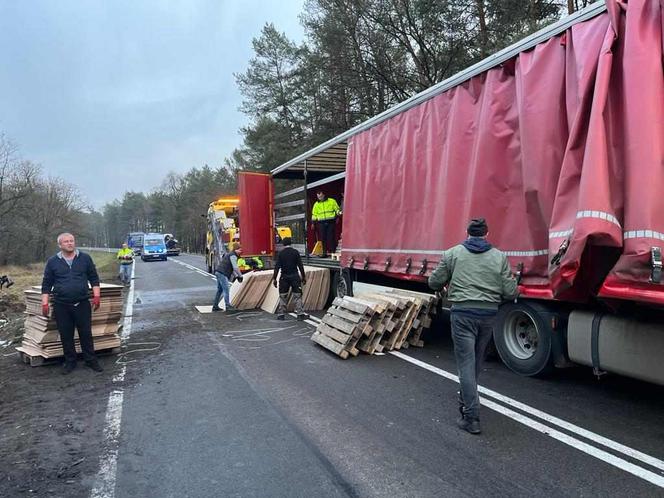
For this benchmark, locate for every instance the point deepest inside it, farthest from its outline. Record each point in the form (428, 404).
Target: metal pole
(306, 210)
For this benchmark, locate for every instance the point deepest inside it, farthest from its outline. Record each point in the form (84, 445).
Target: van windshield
(154, 242)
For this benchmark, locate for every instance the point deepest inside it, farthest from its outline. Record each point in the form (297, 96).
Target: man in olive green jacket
(478, 279)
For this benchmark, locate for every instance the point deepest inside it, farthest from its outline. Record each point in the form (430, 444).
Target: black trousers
(79, 316)
(327, 234)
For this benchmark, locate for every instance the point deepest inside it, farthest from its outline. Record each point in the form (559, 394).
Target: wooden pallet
(345, 323)
(38, 361)
(375, 322)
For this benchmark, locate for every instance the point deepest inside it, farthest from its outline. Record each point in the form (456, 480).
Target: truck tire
(342, 284)
(523, 339)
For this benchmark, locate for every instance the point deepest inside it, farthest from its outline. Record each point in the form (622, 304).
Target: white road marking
(104, 486)
(194, 268)
(555, 421)
(620, 463)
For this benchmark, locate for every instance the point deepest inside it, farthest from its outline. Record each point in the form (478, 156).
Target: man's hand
(274, 282)
(96, 302)
(304, 281)
(240, 279)
(45, 310)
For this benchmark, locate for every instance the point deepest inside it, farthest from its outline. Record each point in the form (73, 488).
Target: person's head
(286, 241)
(320, 195)
(124, 245)
(67, 243)
(236, 248)
(478, 228)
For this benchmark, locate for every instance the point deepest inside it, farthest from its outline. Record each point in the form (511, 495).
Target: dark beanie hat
(286, 241)
(477, 227)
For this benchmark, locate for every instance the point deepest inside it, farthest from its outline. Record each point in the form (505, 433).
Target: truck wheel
(523, 339)
(341, 284)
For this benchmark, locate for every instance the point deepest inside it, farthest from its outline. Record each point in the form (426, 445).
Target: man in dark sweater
(289, 262)
(66, 278)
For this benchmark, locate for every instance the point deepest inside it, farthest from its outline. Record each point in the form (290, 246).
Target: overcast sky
(111, 95)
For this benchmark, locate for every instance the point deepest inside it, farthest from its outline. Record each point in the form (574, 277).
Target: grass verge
(24, 277)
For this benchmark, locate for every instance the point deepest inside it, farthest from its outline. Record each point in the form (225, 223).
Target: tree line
(357, 59)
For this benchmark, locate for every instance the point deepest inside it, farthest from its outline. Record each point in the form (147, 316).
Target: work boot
(94, 365)
(68, 367)
(302, 316)
(281, 317)
(230, 309)
(216, 308)
(468, 424)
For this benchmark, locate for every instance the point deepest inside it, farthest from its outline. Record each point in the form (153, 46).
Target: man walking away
(126, 258)
(66, 277)
(226, 270)
(289, 262)
(324, 213)
(478, 277)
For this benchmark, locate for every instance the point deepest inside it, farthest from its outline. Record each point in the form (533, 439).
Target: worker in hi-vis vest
(324, 215)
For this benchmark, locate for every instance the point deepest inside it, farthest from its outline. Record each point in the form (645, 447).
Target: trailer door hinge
(366, 263)
(388, 262)
(409, 263)
(656, 262)
(423, 268)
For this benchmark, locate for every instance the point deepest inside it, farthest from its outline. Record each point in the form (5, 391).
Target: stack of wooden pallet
(257, 291)
(250, 293)
(41, 338)
(375, 322)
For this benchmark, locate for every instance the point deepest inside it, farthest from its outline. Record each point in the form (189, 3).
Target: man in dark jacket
(66, 279)
(289, 262)
(478, 277)
(226, 270)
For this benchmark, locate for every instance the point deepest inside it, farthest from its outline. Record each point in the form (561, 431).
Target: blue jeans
(471, 335)
(223, 288)
(125, 273)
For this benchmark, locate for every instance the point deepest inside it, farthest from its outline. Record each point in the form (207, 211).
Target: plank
(351, 317)
(339, 324)
(338, 336)
(330, 345)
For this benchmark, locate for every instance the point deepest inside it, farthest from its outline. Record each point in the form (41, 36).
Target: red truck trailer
(558, 141)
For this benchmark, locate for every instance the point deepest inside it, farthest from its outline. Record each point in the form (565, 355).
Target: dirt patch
(52, 425)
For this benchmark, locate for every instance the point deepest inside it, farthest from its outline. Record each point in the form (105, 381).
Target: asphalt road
(244, 405)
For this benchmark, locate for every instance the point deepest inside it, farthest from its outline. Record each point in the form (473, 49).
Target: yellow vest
(122, 255)
(325, 210)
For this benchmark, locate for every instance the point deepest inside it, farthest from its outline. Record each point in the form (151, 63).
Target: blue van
(154, 247)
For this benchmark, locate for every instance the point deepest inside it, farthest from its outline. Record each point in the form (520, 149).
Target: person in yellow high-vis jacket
(324, 215)
(125, 257)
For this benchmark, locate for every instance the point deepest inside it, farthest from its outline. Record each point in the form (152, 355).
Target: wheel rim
(342, 287)
(521, 335)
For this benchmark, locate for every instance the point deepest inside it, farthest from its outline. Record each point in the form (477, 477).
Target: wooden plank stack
(41, 338)
(375, 322)
(257, 291)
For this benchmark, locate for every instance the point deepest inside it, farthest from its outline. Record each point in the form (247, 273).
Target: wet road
(244, 405)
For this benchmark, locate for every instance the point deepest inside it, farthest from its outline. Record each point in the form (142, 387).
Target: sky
(111, 95)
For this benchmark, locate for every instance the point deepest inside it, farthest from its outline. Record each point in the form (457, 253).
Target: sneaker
(471, 425)
(302, 316)
(281, 317)
(68, 368)
(230, 309)
(216, 308)
(94, 365)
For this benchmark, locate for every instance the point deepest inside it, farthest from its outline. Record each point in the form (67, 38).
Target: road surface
(213, 405)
